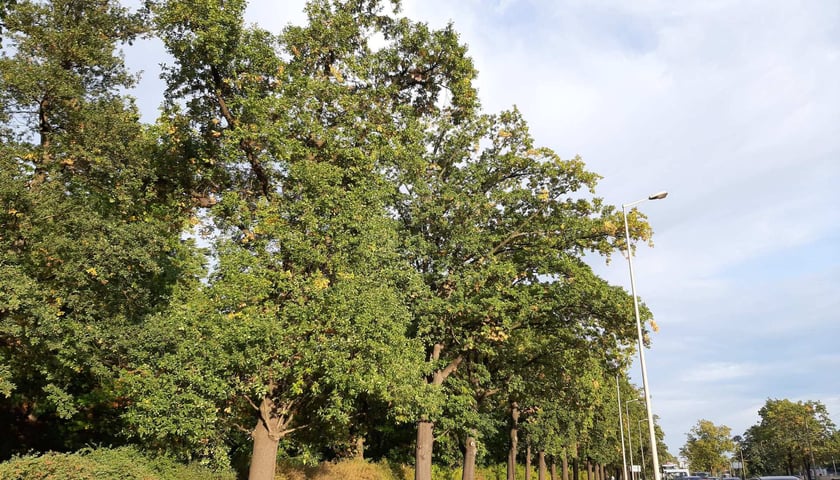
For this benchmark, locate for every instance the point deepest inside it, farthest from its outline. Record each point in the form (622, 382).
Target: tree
(304, 312)
(90, 226)
(707, 446)
(492, 222)
(789, 436)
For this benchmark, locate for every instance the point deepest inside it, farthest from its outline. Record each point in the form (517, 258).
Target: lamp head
(658, 196)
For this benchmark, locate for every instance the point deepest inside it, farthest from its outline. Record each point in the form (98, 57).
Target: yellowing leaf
(321, 283)
(336, 73)
(91, 271)
(654, 326)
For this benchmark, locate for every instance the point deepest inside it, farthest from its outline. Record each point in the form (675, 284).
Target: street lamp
(630, 433)
(621, 428)
(653, 450)
(641, 444)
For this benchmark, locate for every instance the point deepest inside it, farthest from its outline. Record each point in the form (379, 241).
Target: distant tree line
(322, 248)
(791, 438)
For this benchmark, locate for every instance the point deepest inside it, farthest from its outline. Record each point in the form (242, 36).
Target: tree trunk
(575, 469)
(423, 452)
(425, 434)
(514, 441)
(360, 448)
(264, 458)
(528, 461)
(553, 470)
(273, 423)
(469, 459)
(589, 473)
(541, 469)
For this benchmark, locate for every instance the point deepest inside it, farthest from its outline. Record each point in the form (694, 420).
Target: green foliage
(707, 446)
(124, 463)
(380, 250)
(788, 436)
(89, 245)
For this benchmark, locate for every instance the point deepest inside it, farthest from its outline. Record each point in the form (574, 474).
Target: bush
(125, 463)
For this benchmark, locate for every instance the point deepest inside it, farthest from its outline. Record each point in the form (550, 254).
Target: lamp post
(653, 450)
(621, 428)
(629, 433)
(641, 444)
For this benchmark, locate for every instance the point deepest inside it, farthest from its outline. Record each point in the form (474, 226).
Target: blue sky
(733, 107)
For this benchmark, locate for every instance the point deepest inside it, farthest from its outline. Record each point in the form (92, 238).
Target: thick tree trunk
(597, 469)
(425, 434)
(553, 470)
(528, 462)
(264, 458)
(514, 441)
(541, 467)
(469, 459)
(589, 473)
(273, 423)
(423, 452)
(511, 463)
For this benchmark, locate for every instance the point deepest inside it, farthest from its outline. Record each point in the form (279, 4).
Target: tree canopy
(323, 244)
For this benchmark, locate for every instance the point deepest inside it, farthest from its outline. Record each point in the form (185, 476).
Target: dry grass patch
(343, 470)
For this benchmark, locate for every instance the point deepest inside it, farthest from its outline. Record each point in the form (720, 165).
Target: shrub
(125, 463)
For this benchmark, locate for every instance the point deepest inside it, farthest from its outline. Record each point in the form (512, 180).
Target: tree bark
(360, 447)
(423, 452)
(541, 467)
(553, 469)
(273, 423)
(589, 474)
(469, 459)
(575, 468)
(264, 458)
(514, 441)
(425, 434)
(528, 461)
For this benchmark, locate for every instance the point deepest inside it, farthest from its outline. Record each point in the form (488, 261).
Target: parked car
(776, 477)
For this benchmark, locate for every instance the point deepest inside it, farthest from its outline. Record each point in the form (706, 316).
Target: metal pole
(629, 434)
(621, 428)
(641, 445)
(652, 431)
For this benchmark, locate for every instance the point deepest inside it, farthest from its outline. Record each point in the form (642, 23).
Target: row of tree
(791, 438)
(323, 245)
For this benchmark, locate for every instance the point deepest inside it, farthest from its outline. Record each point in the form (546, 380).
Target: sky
(734, 109)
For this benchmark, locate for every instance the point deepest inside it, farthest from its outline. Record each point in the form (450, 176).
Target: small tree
(707, 446)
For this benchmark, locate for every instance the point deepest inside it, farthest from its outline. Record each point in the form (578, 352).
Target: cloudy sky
(734, 109)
